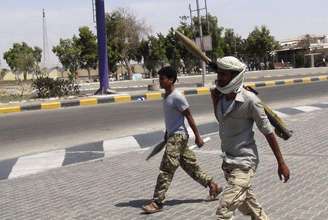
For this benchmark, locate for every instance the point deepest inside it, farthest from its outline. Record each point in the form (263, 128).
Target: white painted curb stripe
(307, 108)
(37, 163)
(120, 146)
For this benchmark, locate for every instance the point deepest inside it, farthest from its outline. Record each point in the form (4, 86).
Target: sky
(22, 20)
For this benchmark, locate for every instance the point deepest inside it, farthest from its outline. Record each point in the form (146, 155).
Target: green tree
(172, 50)
(153, 53)
(124, 34)
(260, 43)
(22, 58)
(211, 27)
(68, 53)
(233, 44)
(87, 43)
(189, 60)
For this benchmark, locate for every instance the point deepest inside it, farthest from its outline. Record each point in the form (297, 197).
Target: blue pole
(102, 46)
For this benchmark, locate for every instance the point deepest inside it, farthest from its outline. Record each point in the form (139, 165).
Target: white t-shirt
(174, 104)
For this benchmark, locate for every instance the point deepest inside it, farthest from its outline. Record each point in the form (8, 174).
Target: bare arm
(198, 139)
(283, 170)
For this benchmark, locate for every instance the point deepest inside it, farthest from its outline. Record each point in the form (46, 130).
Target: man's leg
(234, 194)
(252, 208)
(169, 164)
(189, 164)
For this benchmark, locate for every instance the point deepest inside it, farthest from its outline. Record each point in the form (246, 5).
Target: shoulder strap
(215, 95)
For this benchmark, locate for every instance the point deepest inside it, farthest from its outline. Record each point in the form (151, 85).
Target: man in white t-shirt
(177, 153)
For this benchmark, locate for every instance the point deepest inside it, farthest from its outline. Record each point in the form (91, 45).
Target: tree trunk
(16, 76)
(128, 67)
(89, 74)
(25, 76)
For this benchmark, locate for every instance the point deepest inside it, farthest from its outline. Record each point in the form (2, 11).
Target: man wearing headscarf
(236, 110)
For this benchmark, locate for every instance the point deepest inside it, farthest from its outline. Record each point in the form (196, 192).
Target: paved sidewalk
(116, 188)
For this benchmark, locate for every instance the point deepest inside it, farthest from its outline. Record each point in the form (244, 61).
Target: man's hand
(199, 142)
(283, 172)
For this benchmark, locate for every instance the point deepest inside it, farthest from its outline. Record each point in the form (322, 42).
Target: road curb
(90, 101)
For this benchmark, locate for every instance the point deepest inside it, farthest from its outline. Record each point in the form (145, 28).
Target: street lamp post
(201, 42)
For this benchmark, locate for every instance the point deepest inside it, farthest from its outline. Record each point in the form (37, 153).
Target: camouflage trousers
(238, 194)
(177, 154)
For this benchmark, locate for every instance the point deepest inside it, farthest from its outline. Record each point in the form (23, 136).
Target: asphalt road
(36, 131)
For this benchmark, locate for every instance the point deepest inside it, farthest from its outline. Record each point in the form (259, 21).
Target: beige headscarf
(233, 64)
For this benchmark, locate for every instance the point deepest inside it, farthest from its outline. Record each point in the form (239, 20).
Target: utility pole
(200, 33)
(45, 39)
(102, 47)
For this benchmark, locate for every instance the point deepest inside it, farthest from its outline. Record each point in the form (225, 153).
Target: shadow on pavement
(140, 202)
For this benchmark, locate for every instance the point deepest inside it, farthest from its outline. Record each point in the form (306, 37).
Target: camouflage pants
(238, 194)
(178, 154)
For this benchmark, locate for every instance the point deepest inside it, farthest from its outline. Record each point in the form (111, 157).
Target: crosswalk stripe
(37, 163)
(307, 108)
(120, 145)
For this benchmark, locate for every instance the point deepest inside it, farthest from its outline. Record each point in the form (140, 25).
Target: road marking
(90, 101)
(50, 105)
(250, 84)
(307, 80)
(203, 91)
(307, 108)
(122, 98)
(153, 96)
(37, 163)
(280, 114)
(120, 145)
(270, 83)
(289, 81)
(10, 109)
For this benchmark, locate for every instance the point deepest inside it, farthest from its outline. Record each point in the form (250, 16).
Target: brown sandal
(151, 208)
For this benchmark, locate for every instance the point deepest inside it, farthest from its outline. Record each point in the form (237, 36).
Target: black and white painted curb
(32, 164)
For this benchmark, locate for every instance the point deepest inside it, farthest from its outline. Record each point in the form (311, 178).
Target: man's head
(230, 74)
(167, 76)
(224, 77)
